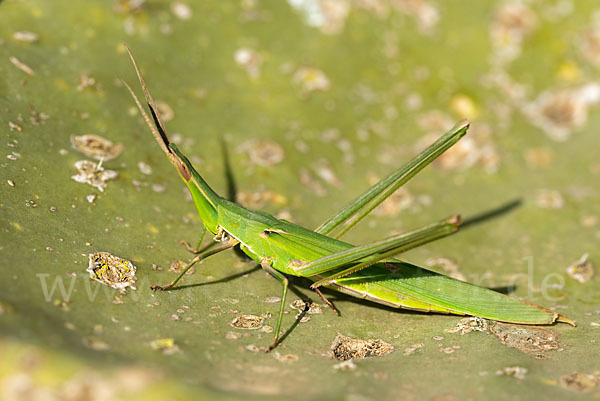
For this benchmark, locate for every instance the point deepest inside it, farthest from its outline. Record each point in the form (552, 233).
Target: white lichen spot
(550, 199)
(468, 325)
(14, 156)
(345, 366)
(589, 221)
(166, 112)
(91, 198)
(85, 81)
(96, 147)
(252, 348)
(263, 152)
(112, 270)
(26, 36)
(399, 201)
(250, 60)
(231, 335)
(413, 101)
(327, 15)
(93, 174)
(434, 121)
(126, 7)
(181, 10)
(159, 188)
(285, 358)
(426, 15)
(258, 199)
(14, 126)
(324, 171)
(517, 372)
(311, 79)
(144, 168)
(313, 185)
(447, 350)
(511, 24)
(581, 270)
(95, 344)
(559, 10)
(476, 149)
(559, 113)
(590, 46)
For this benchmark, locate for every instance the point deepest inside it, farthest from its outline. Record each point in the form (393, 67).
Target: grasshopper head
(181, 163)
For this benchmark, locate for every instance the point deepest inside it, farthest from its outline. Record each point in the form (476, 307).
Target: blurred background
(295, 107)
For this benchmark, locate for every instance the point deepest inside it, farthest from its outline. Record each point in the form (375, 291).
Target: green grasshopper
(366, 271)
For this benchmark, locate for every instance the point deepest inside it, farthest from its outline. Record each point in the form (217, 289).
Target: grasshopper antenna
(157, 128)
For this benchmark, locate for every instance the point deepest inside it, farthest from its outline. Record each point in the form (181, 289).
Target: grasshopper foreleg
(198, 249)
(229, 244)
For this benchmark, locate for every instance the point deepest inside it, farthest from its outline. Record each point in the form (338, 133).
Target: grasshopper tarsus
(197, 250)
(162, 287)
(328, 302)
(189, 247)
(273, 345)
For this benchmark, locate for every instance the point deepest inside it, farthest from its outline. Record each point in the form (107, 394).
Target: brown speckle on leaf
(344, 348)
(248, 322)
(517, 372)
(413, 348)
(311, 309)
(527, 339)
(263, 152)
(581, 382)
(112, 270)
(582, 270)
(550, 199)
(590, 46)
(538, 157)
(21, 66)
(96, 147)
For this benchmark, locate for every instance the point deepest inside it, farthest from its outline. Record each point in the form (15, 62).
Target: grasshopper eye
(183, 170)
